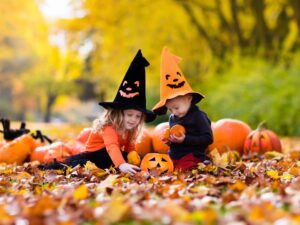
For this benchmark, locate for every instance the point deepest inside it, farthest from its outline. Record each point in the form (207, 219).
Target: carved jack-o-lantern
(129, 90)
(161, 162)
(175, 81)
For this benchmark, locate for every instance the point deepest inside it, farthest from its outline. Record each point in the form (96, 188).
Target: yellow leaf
(89, 166)
(5, 217)
(116, 210)
(238, 186)
(108, 182)
(273, 155)
(295, 171)
(219, 160)
(286, 176)
(273, 174)
(80, 192)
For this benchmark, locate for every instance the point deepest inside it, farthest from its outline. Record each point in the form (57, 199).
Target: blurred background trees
(242, 54)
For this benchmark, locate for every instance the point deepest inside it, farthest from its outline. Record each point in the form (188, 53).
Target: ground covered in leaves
(259, 190)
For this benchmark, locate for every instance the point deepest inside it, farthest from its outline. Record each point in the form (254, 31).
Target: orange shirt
(109, 138)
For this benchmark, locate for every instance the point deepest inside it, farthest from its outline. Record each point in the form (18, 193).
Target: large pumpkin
(158, 134)
(18, 150)
(57, 151)
(261, 140)
(78, 145)
(48, 153)
(229, 133)
(161, 162)
(84, 135)
(144, 146)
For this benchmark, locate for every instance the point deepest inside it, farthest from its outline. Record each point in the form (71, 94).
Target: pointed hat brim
(161, 109)
(150, 116)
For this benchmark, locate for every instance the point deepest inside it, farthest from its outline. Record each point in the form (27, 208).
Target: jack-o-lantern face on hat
(175, 81)
(161, 162)
(130, 90)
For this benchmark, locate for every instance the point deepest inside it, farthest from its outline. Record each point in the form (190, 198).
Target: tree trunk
(50, 101)
(296, 7)
(262, 32)
(217, 47)
(236, 24)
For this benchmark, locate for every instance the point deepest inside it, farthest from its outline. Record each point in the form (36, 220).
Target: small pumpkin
(177, 130)
(161, 162)
(229, 133)
(144, 146)
(18, 150)
(157, 138)
(134, 158)
(261, 140)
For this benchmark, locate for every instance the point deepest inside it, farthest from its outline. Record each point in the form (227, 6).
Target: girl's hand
(177, 139)
(129, 168)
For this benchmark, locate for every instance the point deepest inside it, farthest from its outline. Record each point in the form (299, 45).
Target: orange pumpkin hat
(172, 82)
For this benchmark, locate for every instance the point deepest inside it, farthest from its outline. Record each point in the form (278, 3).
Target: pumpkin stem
(262, 125)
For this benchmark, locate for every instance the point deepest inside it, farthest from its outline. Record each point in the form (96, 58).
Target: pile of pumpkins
(229, 135)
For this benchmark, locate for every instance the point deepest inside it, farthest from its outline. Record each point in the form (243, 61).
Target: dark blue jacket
(198, 134)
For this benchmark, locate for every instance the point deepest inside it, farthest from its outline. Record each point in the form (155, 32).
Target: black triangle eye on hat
(131, 93)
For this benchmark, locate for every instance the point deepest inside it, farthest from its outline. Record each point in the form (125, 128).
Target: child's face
(132, 118)
(180, 105)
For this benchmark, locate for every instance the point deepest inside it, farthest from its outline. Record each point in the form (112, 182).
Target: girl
(114, 134)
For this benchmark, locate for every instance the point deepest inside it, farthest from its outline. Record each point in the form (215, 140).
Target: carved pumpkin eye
(167, 76)
(124, 83)
(137, 83)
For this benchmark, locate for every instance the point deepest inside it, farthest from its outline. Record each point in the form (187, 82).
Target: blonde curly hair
(115, 118)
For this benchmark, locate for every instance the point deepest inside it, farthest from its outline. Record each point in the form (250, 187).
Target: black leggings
(100, 158)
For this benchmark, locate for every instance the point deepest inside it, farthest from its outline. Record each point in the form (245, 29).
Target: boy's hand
(177, 139)
(129, 168)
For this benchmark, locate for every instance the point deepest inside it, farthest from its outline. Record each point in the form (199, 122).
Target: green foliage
(254, 90)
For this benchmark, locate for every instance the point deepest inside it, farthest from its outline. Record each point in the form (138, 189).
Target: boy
(177, 96)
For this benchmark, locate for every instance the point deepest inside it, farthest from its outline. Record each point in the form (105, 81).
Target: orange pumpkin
(2, 142)
(144, 146)
(229, 133)
(58, 151)
(157, 138)
(134, 158)
(78, 145)
(48, 153)
(261, 140)
(161, 162)
(166, 134)
(177, 130)
(84, 135)
(18, 150)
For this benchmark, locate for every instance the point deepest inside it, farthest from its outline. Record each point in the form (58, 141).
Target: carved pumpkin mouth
(179, 85)
(128, 95)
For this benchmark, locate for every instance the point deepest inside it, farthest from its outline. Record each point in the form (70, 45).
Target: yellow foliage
(273, 174)
(81, 192)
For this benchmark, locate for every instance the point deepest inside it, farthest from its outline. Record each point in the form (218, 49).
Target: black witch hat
(131, 93)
